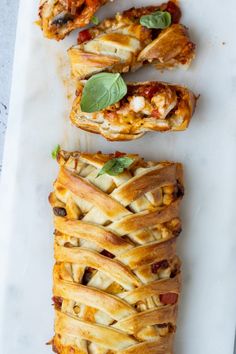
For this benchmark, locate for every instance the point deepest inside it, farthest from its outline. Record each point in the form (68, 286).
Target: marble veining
(8, 12)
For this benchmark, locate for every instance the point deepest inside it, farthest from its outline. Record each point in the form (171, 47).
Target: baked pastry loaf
(116, 276)
(148, 106)
(57, 18)
(122, 44)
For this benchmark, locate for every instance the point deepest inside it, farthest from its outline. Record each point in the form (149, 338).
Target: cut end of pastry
(147, 106)
(86, 64)
(58, 18)
(171, 48)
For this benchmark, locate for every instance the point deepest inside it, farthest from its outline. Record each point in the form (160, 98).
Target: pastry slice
(57, 18)
(147, 106)
(116, 274)
(122, 43)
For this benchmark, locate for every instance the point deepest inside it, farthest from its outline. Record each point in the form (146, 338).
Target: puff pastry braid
(122, 44)
(148, 106)
(57, 18)
(116, 276)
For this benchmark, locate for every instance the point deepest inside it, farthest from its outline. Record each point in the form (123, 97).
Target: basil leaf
(95, 20)
(159, 20)
(116, 166)
(101, 91)
(55, 152)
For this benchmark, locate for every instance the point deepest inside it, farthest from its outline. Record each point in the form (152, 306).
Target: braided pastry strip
(116, 276)
(122, 44)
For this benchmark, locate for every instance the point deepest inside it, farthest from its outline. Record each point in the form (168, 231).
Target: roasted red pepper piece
(175, 12)
(169, 298)
(84, 36)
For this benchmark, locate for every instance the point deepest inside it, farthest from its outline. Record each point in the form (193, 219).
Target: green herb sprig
(95, 20)
(116, 166)
(55, 152)
(101, 91)
(157, 20)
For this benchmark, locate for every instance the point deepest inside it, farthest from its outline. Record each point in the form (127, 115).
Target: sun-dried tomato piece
(84, 36)
(175, 12)
(119, 154)
(169, 298)
(57, 300)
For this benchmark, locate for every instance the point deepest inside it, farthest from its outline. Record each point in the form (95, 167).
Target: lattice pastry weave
(121, 44)
(116, 276)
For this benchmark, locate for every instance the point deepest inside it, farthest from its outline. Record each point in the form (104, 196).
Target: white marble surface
(38, 121)
(8, 10)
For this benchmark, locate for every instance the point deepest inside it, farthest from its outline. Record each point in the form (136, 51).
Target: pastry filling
(59, 17)
(148, 106)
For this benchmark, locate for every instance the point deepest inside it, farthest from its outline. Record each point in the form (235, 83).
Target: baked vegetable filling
(147, 106)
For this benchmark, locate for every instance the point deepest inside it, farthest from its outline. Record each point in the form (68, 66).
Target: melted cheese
(137, 103)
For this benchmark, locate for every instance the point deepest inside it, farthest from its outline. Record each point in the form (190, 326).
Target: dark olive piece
(62, 19)
(59, 211)
(159, 265)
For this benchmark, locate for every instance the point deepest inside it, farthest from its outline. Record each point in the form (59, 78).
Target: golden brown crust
(58, 18)
(130, 45)
(154, 347)
(148, 106)
(171, 46)
(85, 190)
(88, 231)
(116, 276)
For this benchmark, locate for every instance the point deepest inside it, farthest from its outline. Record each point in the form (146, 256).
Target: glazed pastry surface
(116, 274)
(122, 44)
